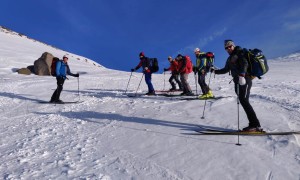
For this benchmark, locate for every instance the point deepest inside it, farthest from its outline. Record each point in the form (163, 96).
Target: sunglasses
(227, 47)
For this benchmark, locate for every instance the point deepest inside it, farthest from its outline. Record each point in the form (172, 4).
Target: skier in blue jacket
(62, 69)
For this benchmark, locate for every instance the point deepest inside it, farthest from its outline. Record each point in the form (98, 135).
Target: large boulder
(31, 68)
(42, 66)
(24, 71)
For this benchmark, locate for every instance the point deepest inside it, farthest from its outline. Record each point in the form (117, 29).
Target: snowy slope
(112, 136)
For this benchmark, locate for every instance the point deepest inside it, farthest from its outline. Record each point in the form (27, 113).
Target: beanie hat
(228, 43)
(197, 50)
(142, 54)
(179, 57)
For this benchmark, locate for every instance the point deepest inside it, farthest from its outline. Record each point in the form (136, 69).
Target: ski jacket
(201, 61)
(185, 66)
(145, 63)
(173, 67)
(62, 69)
(236, 64)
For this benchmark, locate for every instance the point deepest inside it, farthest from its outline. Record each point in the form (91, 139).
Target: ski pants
(56, 93)
(244, 92)
(185, 84)
(148, 82)
(171, 80)
(201, 80)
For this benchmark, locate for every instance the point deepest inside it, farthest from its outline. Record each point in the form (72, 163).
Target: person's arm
(224, 70)
(243, 64)
(138, 66)
(70, 73)
(57, 69)
(183, 66)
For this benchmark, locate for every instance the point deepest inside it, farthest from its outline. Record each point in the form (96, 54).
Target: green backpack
(258, 64)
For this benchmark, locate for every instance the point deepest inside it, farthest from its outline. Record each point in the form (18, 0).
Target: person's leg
(172, 82)
(244, 93)
(57, 92)
(148, 82)
(183, 82)
(178, 81)
(187, 85)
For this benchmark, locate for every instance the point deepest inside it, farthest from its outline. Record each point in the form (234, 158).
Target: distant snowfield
(111, 136)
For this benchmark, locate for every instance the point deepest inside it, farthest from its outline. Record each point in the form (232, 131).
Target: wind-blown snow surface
(112, 136)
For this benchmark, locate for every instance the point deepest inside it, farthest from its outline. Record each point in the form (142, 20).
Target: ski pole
(128, 82)
(78, 88)
(164, 80)
(238, 111)
(206, 99)
(196, 84)
(208, 86)
(139, 85)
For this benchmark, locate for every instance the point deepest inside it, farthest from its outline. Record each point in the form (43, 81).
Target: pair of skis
(208, 131)
(67, 102)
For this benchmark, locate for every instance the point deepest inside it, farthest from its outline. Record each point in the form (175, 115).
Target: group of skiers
(181, 62)
(181, 66)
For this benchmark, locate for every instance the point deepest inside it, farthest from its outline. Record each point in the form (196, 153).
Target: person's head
(170, 58)
(229, 46)
(142, 55)
(197, 51)
(179, 57)
(65, 58)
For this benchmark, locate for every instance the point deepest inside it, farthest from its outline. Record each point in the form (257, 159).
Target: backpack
(154, 65)
(258, 64)
(210, 60)
(53, 66)
(189, 64)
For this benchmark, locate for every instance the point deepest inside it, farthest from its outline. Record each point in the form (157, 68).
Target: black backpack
(154, 65)
(258, 64)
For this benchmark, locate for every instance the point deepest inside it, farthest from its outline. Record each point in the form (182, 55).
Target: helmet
(197, 50)
(65, 56)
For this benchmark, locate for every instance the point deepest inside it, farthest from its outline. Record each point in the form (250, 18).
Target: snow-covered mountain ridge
(34, 49)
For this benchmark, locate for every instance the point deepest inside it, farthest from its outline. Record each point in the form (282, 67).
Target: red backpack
(53, 66)
(189, 64)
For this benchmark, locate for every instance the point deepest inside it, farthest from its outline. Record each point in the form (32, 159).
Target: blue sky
(113, 32)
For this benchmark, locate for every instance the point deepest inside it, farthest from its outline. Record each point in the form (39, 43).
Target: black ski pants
(201, 80)
(56, 93)
(244, 92)
(171, 80)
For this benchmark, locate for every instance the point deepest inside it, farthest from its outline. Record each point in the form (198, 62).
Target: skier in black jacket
(237, 64)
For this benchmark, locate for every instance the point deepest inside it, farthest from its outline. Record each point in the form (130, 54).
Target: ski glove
(132, 70)
(165, 69)
(76, 75)
(242, 80)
